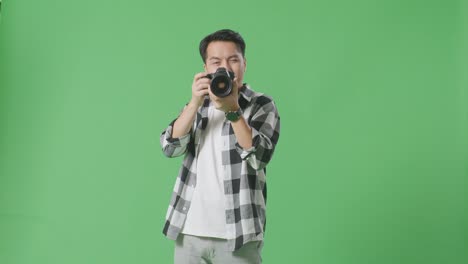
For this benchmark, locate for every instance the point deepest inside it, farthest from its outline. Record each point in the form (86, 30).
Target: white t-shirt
(206, 216)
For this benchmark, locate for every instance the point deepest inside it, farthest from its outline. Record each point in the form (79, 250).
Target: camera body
(221, 82)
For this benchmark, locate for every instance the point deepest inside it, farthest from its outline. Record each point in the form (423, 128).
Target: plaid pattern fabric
(244, 178)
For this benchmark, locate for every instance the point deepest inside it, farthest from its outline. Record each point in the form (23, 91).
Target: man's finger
(200, 75)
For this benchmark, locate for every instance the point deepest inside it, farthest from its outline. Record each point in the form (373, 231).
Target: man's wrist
(232, 108)
(233, 116)
(194, 103)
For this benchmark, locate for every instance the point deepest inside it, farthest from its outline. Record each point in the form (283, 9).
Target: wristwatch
(233, 115)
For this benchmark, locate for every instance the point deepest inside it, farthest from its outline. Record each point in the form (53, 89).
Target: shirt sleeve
(174, 147)
(265, 124)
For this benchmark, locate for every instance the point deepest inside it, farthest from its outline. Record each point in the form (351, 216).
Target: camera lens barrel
(221, 82)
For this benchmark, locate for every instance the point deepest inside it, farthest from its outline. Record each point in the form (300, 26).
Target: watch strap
(233, 115)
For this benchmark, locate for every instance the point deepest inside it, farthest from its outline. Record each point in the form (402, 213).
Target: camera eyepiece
(221, 82)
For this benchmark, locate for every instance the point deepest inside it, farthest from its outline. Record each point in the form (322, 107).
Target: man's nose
(225, 65)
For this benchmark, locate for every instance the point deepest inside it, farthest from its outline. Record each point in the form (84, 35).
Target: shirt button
(185, 208)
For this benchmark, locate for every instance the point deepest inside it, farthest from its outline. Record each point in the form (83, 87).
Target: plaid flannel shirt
(244, 178)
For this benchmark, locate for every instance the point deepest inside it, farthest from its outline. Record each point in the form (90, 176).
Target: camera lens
(221, 82)
(221, 85)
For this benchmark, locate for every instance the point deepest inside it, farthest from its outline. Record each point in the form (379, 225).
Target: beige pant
(197, 250)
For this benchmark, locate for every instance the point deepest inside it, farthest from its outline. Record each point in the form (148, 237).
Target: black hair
(222, 35)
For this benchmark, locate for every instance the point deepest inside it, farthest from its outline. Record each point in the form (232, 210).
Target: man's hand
(200, 88)
(228, 103)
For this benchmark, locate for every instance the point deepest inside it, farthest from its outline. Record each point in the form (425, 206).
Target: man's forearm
(184, 122)
(243, 133)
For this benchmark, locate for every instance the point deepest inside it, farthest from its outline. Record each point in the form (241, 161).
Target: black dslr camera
(221, 82)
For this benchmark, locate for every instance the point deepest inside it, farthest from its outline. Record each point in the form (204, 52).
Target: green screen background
(372, 162)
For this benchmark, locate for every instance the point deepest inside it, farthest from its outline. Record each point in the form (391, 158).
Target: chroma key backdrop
(371, 165)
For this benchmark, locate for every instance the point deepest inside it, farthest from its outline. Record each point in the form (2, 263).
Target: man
(217, 209)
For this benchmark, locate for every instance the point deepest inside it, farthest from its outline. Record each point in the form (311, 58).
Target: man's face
(225, 54)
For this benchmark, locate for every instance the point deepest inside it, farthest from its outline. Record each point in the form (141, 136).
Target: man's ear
(245, 64)
(204, 66)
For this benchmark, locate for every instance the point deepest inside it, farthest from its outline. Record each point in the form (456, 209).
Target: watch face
(232, 116)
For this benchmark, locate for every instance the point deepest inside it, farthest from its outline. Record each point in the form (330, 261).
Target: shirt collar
(246, 92)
